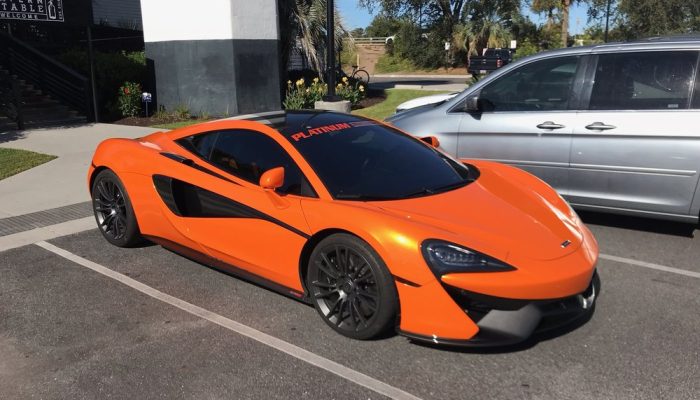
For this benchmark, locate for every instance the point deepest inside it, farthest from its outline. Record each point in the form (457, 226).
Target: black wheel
(351, 287)
(362, 76)
(113, 212)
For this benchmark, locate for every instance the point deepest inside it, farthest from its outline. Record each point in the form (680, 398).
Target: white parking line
(650, 265)
(279, 344)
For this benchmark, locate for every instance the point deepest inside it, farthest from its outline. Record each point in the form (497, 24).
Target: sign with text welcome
(32, 10)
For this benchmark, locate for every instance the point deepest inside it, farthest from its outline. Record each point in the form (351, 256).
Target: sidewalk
(62, 181)
(420, 76)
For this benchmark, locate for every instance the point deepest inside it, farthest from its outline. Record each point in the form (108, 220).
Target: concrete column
(215, 56)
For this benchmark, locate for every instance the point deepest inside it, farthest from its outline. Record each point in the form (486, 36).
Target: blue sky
(356, 17)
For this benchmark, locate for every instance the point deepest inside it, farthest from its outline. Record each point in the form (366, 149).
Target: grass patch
(394, 97)
(178, 124)
(13, 161)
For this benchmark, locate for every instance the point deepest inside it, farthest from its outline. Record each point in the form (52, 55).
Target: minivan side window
(644, 81)
(538, 86)
(248, 154)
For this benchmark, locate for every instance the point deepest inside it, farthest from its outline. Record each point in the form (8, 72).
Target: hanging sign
(32, 10)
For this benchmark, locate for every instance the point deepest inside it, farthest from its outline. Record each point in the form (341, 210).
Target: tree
(383, 26)
(548, 7)
(644, 18)
(488, 23)
(303, 23)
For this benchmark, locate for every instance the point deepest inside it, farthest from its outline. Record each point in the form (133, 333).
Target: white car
(425, 100)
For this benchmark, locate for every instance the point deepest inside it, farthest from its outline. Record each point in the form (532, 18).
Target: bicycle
(360, 74)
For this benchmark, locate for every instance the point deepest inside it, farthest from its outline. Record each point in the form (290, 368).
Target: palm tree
(303, 23)
(488, 30)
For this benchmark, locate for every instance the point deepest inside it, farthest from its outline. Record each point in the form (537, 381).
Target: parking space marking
(650, 265)
(271, 341)
(46, 233)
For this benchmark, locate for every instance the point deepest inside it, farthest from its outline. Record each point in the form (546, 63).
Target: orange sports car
(377, 229)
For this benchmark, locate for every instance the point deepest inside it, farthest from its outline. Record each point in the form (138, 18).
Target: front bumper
(503, 322)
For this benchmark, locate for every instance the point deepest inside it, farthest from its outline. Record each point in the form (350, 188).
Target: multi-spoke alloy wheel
(351, 288)
(113, 212)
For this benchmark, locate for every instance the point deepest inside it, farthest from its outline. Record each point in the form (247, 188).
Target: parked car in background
(425, 100)
(612, 127)
(491, 60)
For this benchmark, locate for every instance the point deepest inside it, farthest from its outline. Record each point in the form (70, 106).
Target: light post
(330, 52)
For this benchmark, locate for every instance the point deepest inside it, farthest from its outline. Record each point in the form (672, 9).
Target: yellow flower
(308, 90)
(340, 86)
(315, 80)
(300, 82)
(345, 79)
(362, 88)
(289, 82)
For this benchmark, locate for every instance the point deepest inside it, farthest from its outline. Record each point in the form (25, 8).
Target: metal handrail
(46, 74)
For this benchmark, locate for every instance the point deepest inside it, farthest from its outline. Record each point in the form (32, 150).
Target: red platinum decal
(327, 128)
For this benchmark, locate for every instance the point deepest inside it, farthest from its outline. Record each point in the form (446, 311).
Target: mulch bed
(373, 97)
(145, 121)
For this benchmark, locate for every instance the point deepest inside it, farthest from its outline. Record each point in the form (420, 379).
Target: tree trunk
(565, 4)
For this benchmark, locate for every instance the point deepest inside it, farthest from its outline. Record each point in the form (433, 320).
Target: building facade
(219, 57)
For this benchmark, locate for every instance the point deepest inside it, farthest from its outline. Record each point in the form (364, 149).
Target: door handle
(599, 126)
(550, 125)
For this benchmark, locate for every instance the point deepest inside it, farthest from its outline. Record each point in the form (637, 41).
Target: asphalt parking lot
(67, 331)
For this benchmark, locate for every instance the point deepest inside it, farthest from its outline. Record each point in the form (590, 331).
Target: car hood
(425, 100)
(498, 215)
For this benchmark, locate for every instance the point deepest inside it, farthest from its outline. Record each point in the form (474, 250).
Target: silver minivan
(613, 128)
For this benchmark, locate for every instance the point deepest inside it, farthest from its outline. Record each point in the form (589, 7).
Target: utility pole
(607, 21)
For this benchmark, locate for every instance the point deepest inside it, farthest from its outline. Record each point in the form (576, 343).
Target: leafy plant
(129, 99)
(300, 96)
(181, 112)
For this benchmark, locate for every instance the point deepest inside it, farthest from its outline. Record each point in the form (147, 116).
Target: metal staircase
(36, 90)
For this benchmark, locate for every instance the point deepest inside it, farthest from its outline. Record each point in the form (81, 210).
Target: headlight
(445, 257)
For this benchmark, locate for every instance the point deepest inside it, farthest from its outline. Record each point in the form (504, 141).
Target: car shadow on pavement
(638, 224)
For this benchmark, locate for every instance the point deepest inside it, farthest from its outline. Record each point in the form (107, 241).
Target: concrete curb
(427, 76)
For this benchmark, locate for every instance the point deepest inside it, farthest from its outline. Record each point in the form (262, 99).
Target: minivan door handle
(550, 125)
(599, 126)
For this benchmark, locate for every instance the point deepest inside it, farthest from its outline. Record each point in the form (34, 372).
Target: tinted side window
(644, 81)
(200, 144)
(248, 154)
(539, 86)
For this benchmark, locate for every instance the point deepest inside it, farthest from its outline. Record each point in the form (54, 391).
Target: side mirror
(272, 179)
(472, 104)
(431, 140)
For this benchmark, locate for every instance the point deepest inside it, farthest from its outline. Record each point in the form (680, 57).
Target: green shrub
(111, 71)
(393, 63)
(129, 99)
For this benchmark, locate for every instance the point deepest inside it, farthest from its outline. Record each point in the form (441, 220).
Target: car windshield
(359, 159)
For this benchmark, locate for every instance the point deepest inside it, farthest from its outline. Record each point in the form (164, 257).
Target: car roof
(652, 43)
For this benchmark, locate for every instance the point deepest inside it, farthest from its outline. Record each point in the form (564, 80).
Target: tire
(113, 211)
(362, 76)
(351, 287)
